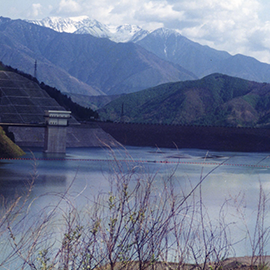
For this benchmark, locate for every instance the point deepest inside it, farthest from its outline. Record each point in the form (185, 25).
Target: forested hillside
(215, 100)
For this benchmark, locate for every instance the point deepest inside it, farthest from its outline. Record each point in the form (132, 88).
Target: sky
(235, 26)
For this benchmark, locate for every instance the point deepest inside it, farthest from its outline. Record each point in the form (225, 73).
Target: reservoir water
(83, 173)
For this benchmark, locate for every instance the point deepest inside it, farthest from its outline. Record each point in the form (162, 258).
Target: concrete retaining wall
(210, 138)
(77, 136)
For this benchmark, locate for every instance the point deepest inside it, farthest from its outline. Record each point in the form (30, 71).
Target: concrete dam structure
(22, 106)
(84, 135)
(199, 137)
(56, 131)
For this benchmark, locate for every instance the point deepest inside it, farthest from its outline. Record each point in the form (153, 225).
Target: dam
(56, 131)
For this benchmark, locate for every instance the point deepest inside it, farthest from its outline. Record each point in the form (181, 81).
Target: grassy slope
(8, 149)
(214, 100)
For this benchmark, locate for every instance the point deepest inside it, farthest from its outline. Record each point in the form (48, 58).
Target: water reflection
(84, 173)
(54, 155)
(52, 181)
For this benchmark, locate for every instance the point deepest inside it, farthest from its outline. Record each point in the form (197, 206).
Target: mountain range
(85, 25)
(81, 56)
(83, 64)
(203, 60)
(169, 45)
(215, 100)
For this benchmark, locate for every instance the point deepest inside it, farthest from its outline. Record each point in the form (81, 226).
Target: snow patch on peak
(165, 32)
(79, 18)
(125, 32)
(85, 25)
(128, 27)
(56, 23)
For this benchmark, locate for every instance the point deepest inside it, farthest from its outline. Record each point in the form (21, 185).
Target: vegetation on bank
(8, 149)
(139, 222)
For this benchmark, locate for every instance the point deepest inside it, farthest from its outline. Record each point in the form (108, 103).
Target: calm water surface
(83, 173)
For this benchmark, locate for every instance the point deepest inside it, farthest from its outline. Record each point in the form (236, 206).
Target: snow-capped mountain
(69, 25)
(85, 25)
(127, 32)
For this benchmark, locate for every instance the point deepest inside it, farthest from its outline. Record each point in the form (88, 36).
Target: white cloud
(160, 11)
(258, 42)
(231, 25)
(35, 11)
(67, 7)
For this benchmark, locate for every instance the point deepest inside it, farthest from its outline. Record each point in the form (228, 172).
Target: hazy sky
(236, 26)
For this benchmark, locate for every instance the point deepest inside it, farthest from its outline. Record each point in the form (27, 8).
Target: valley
(168, 150)
(81, 57)
(158, 78)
